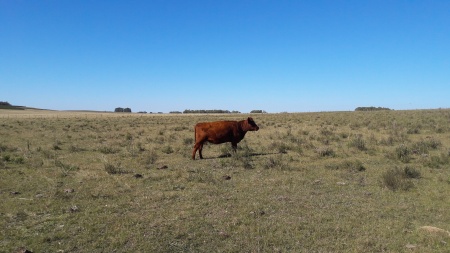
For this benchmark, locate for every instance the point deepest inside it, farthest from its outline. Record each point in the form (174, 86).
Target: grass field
(305, 182)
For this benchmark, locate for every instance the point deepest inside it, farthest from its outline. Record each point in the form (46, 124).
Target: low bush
(273, 162)
(108, 150)
(411, 172)
(150, 158)
(351, 165)
(113, 168)
(188, 141)
(277, 162)
(437, 161)
(403, 153)
(167, 150)
(358, 142)
(280, 147)
(398, 179)
(325, 151)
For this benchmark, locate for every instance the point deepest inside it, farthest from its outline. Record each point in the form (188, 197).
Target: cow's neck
(242, 131)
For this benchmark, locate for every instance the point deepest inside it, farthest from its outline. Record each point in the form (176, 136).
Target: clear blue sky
(277, 56)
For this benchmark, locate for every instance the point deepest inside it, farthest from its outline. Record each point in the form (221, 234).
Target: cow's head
(251, 125)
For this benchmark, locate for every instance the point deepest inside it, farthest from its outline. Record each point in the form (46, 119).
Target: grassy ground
(307, 182)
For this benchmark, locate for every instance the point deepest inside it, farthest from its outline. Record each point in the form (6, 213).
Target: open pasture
(305, 182)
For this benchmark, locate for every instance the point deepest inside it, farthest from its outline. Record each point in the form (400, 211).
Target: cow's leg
(193, 152)
(197, 147)
(234, 146)
(200, 151)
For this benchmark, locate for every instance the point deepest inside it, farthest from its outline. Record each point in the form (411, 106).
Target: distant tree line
(120, 109)
(372, 108)
(258, 111)
(6, 105)
(209, 111)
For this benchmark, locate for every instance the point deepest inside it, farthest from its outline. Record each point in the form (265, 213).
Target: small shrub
(225, 151)
(246, 162)
(3, 148)
(440, 130)
(423, 146)
(279, 146)
(397, 179)
(420, 148)
(436, 161)
(358, 142)
(242, 157)
(74, 149)
(108, 150)
(326, 132)
(277, 162)
(48, 154)
(414, 130)
(201, 176)
(19, 160)
(353, 165)
(150, 159)
(66, 168)
(403, 153)
(110, 169)
(188, 141)
(140, 147)
(6, 158)
(274, 162)
(325, 151)
(244, 150)
(343, 135)
(167, 150)
(433, 143)
(180, 128)
(412, 172)
(56, 147)
(388, 141)
(113, 168)
(134, 149)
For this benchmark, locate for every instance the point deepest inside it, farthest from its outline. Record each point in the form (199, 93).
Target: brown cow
(221, 131)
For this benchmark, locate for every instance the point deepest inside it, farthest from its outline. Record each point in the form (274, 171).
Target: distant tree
(127, 110)
(372, 108)
(258, 111)
(6, 105)
(206, 111)
(118, 109)
(175, 112)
